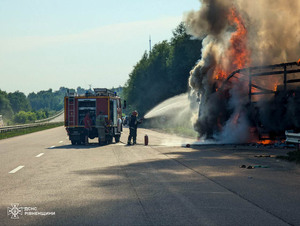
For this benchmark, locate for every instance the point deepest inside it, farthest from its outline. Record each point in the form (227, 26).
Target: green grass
(28, 130)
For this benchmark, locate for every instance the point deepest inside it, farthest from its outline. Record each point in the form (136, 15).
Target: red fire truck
(77, 106)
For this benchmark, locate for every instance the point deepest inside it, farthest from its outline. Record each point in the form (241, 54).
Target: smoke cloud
(238, 34)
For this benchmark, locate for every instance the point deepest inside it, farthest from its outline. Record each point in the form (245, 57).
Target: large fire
(238, 51)
(237, 103)
(238, 55)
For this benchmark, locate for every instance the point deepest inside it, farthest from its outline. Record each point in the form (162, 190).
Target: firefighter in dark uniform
(133, 123)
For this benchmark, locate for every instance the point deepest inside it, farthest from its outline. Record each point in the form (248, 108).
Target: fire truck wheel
(117, 138)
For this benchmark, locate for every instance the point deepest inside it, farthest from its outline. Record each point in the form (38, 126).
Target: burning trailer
(272, 107)
(254, 103)
(238, 102)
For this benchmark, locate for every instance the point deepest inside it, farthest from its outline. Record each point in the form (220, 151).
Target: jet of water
(169, 106)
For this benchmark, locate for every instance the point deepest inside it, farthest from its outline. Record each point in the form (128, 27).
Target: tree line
(16, 107)
(164, 72)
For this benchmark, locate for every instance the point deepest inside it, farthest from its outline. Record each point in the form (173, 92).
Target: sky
(52, 43)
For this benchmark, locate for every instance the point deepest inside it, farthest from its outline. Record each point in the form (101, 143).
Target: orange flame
(265, 142)
(238, 51)
(298, 62)
(275, 86)
(238, 54)
(220, 74)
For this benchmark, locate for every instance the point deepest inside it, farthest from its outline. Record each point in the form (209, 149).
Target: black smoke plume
(238, 34)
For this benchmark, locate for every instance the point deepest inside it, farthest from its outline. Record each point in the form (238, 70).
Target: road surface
(60, 118)
(159, 184)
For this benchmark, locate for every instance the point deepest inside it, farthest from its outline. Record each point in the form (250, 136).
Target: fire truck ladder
(71, 107)
(71, 110)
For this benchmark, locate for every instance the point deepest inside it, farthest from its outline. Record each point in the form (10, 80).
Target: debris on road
(252, 167)
(265, 156)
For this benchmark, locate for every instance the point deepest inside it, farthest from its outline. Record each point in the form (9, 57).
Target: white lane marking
(16, 169)
(39, 155)
(52, 147)
(60, 142)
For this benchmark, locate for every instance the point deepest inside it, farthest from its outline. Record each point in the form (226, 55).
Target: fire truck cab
(77, 106)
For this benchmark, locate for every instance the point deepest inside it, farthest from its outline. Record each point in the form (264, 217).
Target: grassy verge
(292, 156)
(28, 130)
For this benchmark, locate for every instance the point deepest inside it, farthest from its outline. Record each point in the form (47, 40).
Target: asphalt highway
(47, 181)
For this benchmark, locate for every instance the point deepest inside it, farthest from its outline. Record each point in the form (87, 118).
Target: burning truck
(240, 102)
(268, 109)
(272, 108)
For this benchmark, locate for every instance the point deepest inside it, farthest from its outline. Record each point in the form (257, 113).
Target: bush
(21, 117)
(25, 117)
(41, 114)
(31, 116)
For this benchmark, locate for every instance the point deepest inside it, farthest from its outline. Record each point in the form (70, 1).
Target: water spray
(169, 106)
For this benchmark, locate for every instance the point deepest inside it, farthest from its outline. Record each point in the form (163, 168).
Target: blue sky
(51, 43)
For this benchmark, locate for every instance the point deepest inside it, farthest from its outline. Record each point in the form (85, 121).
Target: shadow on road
(79, 147)
(186, 186)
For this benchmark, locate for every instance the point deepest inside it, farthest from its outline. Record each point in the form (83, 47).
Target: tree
(164, 72)
(21, 117)
(48, 99)
(18, 102)
(5, 107)
(186, 52)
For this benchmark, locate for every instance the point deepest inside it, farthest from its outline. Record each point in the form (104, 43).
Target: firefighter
(133, 122)
(101, 124)
(87, 126)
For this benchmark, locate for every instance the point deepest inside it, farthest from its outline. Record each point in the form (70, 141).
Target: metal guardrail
(292, 137)
(24, 126)
(50, 118)
(31, 125)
